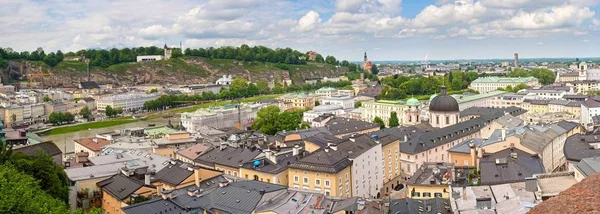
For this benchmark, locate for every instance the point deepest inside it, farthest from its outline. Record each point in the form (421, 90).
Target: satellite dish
(256, 163)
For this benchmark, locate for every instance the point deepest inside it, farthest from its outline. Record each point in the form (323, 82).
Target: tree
(85, 112)
(319, 58)
(393, 121)
(118, 111)
(266, 120)
(21, 194)
(263, 87)
(13, 118)
(238, 87)
(56, 118)
(52, 177)
(5, 152)
(357, 104)
(289, 120)
(317, 103)
(252, 90)
(109, 111)
(154, 90)
(47, 99)
(380, 122)
(331, 60)
(374, 69)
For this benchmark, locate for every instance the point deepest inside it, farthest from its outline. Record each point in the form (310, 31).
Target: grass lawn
(92, 125)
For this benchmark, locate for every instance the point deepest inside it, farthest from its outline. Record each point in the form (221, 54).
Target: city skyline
(386, 29)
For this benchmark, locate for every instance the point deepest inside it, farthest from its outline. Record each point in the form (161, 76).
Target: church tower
(582, 71)
(168, 53)
(365, 59)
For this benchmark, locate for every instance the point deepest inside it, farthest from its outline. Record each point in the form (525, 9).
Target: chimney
(296, 150)
(473, 154)
(222, 146)
(405, 138)
(191, 191)
(95, 140)
(333, 146)
(147, 178)
(166, 194)
(503, 134)
(197, 177)
(352, 138)
(271, 156)
(464, 194)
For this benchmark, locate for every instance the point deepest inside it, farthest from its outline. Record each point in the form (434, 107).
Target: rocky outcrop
(177, 71)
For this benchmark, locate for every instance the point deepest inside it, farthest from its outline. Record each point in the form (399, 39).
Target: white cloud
(308, 22)
(154, 31)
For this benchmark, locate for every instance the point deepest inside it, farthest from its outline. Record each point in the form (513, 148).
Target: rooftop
(411, 206)
(432, 174)
(339, 126)
(509, 166)
(493, 79)
(582, 197)
(589, 166)
(580, 146)
(93, 143)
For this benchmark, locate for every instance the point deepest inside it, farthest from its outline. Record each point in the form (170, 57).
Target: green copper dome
(432, 96)
(413, 102)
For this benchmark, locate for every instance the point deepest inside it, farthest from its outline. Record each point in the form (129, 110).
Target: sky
(385, 29)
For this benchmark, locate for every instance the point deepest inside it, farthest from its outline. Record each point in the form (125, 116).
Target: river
(65, 141)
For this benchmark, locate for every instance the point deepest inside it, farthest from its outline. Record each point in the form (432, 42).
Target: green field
(92, 125)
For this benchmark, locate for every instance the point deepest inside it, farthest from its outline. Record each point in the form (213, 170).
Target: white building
(487, 84)
(149, 58)
(309, 116)
(367, 171)
(326, 91)
(544, 94)
(346, 93)
(127, 102)
(476, 100)
(221, 117)
(589, 108)
(225, 80)
(344, 101)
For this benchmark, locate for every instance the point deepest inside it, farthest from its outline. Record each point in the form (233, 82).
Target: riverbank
(152, 116)
(91, 125)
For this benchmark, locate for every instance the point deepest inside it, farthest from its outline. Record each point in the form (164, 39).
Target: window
(296, 179)
(327, 183)
(305, 180)
(235, 174)
(437, 120)
(415, 194)
(447, 120)
(426, 194)
(317, 182)
(438, 194)
(327, 193)
(466, 162)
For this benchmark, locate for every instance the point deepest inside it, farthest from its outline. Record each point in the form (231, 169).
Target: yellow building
(298, 101)
(15, 110)
(431, 180)
(227, 159)
(464, 154)
(536, 106)
(391, 163)
(117, 192)
(324, 170)
(272, 167)
(314, 143)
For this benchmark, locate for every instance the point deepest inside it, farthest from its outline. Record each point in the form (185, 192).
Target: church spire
(366, 57)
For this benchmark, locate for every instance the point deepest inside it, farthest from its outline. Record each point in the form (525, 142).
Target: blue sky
(386, 29)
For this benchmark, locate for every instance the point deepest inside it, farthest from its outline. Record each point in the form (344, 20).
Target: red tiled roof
(194, 151)
(93, 143)
(583, 197)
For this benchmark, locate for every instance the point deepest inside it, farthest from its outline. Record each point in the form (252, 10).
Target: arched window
(256, 177)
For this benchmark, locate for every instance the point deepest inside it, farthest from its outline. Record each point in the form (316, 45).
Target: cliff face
(174, 71)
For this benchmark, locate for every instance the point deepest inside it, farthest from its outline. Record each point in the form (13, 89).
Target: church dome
(432, 96)
(443, 102)
(413, 102)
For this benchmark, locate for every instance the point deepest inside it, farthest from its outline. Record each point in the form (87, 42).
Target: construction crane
(37, 75)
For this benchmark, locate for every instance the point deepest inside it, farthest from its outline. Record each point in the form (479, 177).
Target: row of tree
(239, 88)
(543, 75)
(393, 121)
(399, 87)
(515, 89)
(271, 119)
(57, 118)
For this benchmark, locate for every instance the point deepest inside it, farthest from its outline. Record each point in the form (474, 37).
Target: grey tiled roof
(408, 131)
(120, 186)
(578, 147)
(323, 160)
(322, 139)
(590, 103)
(230, 156)
(338, 125)
(426, 173)
(236, 197)
(514, 170)
(411, 206)
(283, 161)
(174, 173)
(589, 166)
(45, 147)
(464, 147)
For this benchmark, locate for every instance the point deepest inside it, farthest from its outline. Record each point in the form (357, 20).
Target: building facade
(127, 102)
(487, 84)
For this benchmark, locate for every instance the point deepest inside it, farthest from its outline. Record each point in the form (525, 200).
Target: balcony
(87, 199)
